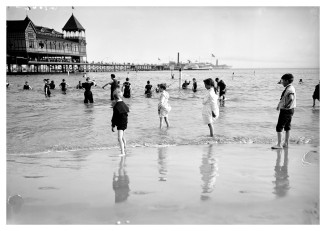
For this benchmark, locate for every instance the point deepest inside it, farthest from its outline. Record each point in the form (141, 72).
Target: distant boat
(198, 66)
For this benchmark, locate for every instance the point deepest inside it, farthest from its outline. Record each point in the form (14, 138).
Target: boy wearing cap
(286, 107)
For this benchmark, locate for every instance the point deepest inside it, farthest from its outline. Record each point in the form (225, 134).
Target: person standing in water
(210, 110)
(47, 91)
(120, 119)
(52, 85)
(126, 88)
(148, 89)
(316, 94)
(26, 86)
(221, 88)
(194, 85)
(163, 106)
(185, 84)
(88, 93)
(79, 85)
(114, 85)
(63, 86)
(286, 107)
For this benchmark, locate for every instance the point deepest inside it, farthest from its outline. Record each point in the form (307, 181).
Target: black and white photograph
(139, 114)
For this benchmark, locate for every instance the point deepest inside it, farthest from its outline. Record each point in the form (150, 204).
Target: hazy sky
(243, 37)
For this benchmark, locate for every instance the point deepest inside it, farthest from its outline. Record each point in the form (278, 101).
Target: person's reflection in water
(121, 183)
(282, 183)
(208, 170)
(162, 164)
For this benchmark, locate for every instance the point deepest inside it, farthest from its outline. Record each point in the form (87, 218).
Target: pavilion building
(32, 48)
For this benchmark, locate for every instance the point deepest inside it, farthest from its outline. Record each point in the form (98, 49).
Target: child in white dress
(163, 106)
(210, 110)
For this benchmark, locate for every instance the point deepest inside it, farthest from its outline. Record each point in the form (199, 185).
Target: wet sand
(191, 184)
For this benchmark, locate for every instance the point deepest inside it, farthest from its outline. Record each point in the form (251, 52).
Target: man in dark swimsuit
(114, 85)
(88, 93)
(64, 86)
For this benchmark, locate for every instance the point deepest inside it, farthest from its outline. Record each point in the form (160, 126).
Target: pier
(45, 67)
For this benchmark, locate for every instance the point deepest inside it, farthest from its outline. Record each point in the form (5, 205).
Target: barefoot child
(120, 119)
(163, 106)
(286, 107)
(210, 110)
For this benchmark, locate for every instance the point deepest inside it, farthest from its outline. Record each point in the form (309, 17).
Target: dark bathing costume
(63, 86)
(88, 94)
(148, 89)
(47, 86)
(114, 86)
(126, 91)
(194, 86)
(120, 115)
(222, 86)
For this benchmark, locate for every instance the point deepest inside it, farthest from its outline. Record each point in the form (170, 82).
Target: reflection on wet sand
(282, 183)
(14, 206)
(121, 182)
(162, 163)
(208, 170)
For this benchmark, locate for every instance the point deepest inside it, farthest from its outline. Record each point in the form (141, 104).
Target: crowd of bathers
(126, 88)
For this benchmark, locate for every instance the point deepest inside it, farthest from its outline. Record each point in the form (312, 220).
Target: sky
(240, 36)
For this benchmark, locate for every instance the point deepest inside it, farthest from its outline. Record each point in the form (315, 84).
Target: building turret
(75, 32)
(73, 29)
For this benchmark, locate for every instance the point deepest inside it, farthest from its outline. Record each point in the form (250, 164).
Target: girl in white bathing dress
(210, 111)
(163, 106)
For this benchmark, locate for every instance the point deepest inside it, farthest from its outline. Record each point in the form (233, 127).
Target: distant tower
(75, 32)
(217, 62)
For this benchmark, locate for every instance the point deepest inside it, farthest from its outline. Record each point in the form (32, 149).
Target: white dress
(163, 106)
(210, 105)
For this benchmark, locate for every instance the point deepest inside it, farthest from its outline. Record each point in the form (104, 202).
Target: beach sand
(187, 184)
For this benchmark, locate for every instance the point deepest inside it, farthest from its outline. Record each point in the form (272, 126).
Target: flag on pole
(72, 7)
(213, 55)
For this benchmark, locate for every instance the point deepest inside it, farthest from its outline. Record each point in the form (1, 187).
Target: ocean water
(36, 124)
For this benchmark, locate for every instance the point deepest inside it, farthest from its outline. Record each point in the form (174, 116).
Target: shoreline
(186, 184)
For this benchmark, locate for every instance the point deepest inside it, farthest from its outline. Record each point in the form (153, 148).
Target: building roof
(21, 25)
(73, 25)
(18, 25)
(42, 29)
